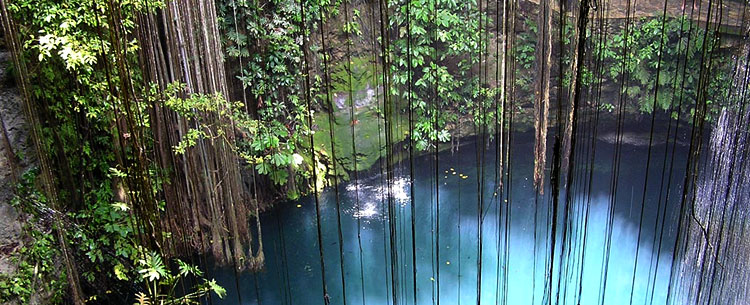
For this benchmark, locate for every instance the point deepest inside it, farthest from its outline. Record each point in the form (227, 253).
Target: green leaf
(263, 168)
(216, 288)
(121, 273)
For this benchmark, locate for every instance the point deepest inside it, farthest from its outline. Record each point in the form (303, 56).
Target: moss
(367, 128)
(367, 121)
(362, 75)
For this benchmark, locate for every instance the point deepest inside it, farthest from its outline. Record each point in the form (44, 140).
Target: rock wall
(16, 156)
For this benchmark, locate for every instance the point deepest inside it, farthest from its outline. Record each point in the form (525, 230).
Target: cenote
(375, 152)
(378, 261)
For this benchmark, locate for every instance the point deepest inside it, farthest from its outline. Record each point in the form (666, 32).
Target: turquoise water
(515, 266)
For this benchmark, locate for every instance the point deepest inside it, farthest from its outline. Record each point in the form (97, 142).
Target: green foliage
(107, 239)
(67, 48)
(64, 55)
(526, 47)
(35, 270)
(268, 147)
(265, 39)
(636, 53)
(78, 94)
(35, 260)
(435, 51)
(273, 151)
(444, 47)
(160, 283)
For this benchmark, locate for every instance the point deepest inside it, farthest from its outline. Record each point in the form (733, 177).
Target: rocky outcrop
(11, 117)
(16, 156)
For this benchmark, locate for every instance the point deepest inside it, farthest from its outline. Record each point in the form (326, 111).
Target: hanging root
(541, 106)
(181, 44)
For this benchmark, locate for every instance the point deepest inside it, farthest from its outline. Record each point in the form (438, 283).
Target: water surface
(516, 258)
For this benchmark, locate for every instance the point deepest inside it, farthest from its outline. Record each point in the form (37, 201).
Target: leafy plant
(35, 260)
(636, 54)
(266, 40)
(160, 283)
(437, 46)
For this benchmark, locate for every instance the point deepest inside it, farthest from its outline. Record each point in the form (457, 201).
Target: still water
(515, 230)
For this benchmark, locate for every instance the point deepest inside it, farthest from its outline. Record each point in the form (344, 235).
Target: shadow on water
(292, 274)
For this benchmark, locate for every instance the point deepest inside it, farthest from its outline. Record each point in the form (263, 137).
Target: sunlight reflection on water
(293, 275)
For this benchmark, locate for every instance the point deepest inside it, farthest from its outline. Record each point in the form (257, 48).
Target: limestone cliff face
(12, 121)
(16, 156)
